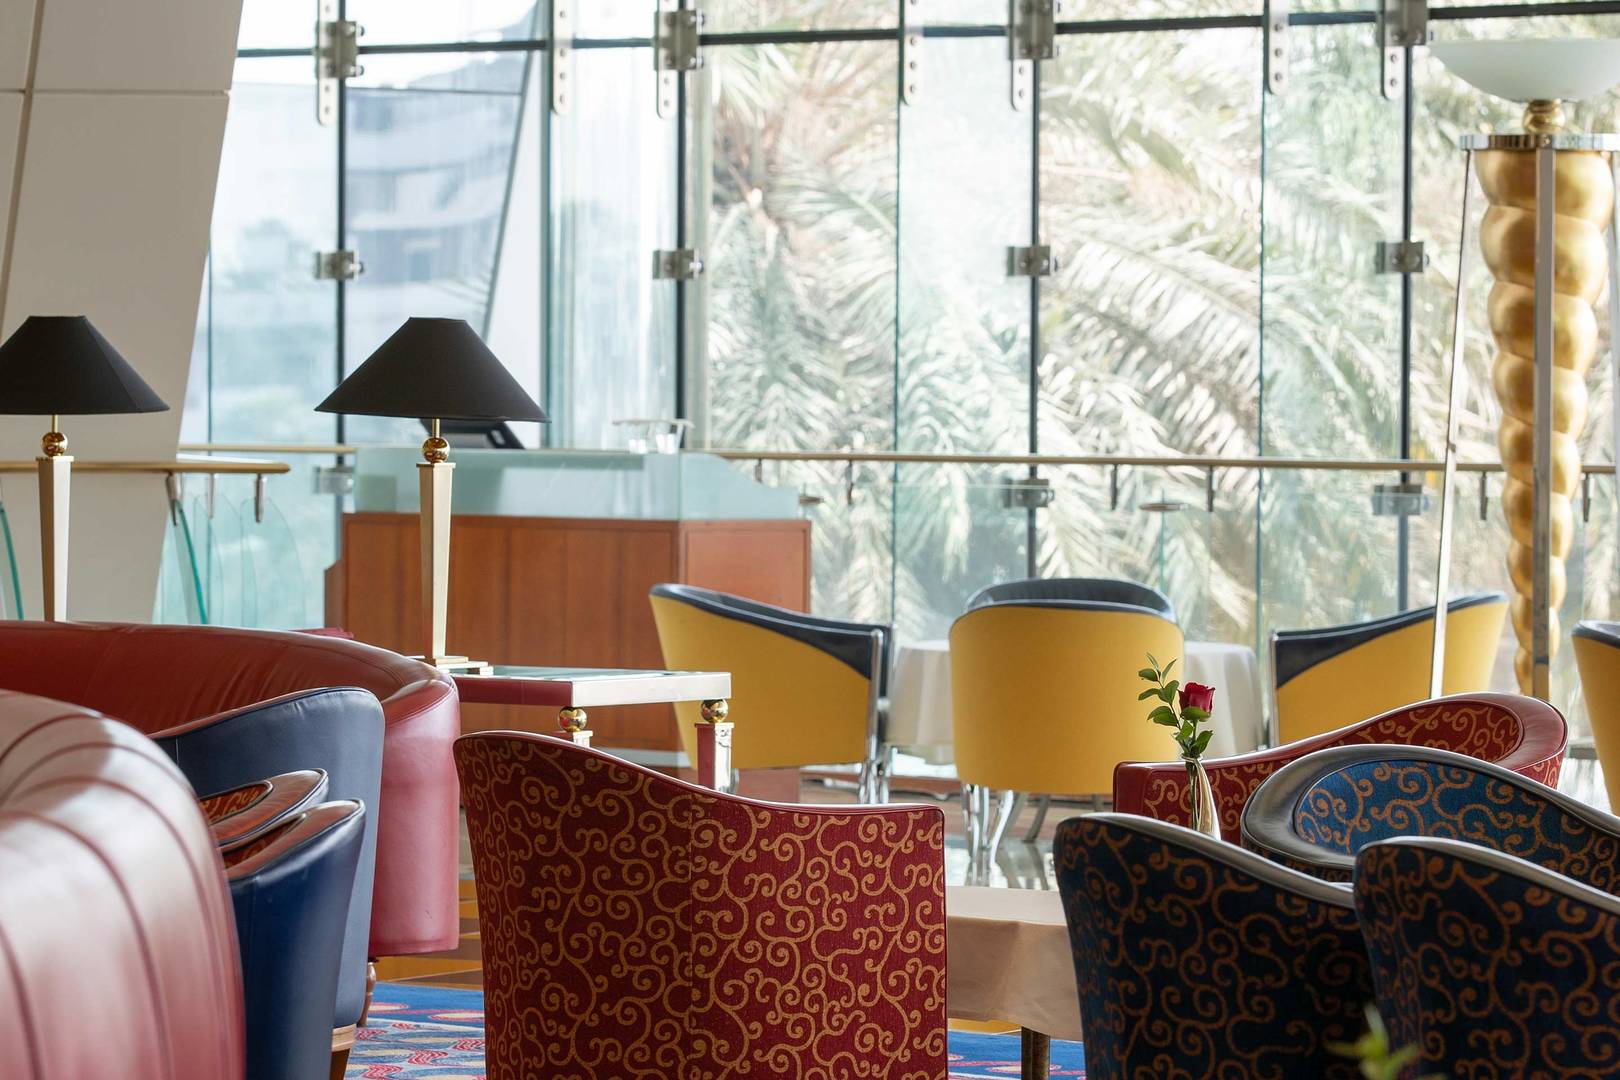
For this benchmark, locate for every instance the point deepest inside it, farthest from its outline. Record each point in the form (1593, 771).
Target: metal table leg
(1036, 1057)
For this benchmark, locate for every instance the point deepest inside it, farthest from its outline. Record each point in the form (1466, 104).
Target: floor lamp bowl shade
(60, 364)
(434, 369)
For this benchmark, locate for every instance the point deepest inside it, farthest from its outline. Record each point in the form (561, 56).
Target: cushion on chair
(242, 813)
(290, 890)
(1493, 968)
(1518, 733)
(1316, 813)
(117, 954)
(1194, 958)
(635, 926)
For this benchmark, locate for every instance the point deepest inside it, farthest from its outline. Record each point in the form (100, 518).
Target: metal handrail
(210, 466)
(901, 457)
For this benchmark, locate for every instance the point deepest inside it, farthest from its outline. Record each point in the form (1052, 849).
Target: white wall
(111, 118)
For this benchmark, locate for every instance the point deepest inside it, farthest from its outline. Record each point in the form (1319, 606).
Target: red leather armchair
(159, 678)
(1518, 733)
(635, 926)
(116, 937)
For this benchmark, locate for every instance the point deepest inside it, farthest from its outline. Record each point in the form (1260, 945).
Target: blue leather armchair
(1316, 813)
(290, 889)
(1495, 969)
(337, 730)
(1195, 958)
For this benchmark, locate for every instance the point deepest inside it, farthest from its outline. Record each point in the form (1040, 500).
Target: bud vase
(1201, 800)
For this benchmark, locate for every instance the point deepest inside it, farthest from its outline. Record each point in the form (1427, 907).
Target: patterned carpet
(434, 1033)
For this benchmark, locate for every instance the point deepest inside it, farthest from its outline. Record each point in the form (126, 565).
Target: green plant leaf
(1201, 743)
(1167, 668)
(1162, 712)
(1193, 712)
(1166, 721)
(1150, 692)
(1148, 674)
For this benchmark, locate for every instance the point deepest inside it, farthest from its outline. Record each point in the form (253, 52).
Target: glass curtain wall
(1212, 289)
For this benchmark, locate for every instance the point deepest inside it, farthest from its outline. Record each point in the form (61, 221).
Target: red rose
(1197, 696)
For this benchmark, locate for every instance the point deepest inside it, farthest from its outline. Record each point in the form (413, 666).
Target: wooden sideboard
(559, 592)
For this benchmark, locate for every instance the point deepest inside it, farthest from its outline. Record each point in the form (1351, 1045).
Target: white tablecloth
(1007, 957)
(920, 697)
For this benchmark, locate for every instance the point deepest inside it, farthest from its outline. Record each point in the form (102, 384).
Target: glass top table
(583, 688)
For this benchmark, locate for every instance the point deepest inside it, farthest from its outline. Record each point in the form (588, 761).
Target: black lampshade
(433, 369)
(62, 364)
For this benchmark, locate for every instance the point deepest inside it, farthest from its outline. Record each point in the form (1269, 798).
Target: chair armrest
(242, 813)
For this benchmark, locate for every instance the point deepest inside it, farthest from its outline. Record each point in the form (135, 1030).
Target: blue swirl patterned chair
(1495, 969)
(1316, 813)
(1195, 958)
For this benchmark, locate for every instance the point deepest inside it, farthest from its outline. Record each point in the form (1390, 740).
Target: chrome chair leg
(866, 787)
(1043, 803)
(885, 773)
(1004, 818)
(970, 823)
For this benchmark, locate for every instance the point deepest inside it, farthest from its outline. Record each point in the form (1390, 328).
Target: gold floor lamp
(55, 365)
(433, 370)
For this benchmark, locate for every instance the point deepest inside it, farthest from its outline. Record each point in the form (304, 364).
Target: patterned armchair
(1197, 959)
(1316, 813)
(1518, 733)
(637, 926)
(1490, 966)
(242, 813)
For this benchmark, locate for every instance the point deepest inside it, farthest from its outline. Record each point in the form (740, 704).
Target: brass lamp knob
(715, 711)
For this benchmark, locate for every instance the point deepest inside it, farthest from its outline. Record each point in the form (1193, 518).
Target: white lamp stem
(55, 482)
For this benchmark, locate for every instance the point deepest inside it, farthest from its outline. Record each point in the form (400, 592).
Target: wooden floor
(1024, 865)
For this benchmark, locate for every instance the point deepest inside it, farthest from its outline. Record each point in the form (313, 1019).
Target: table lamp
(54, 365)
(433, 370)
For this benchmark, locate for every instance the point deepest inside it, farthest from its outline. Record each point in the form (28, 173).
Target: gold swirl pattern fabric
(635, 926)
(218, 807)
(1371, 801)
(1493, 971)
(1519, 733)
(1198, 961)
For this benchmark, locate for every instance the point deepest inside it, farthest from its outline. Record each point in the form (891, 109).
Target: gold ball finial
(435, 450)
(54, 444)
(1544, 117)
(571, 719)
(715, 712)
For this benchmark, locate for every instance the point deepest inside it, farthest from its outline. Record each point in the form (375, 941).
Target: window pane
(613, 326)
(277, 24)
(389, 22)
(432, 149)
(724, 15)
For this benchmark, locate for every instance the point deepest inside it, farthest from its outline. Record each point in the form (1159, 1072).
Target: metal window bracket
(1400, 257)
(1026, 492)
(337, 57)
(562, 55)
(1402, 24)
(675, 50)
(911, 47)
(1399, 500)
(1033, 261)
(338, 266)
(681, 264)
(1031, 37)
(1276, 45)
(334, 480)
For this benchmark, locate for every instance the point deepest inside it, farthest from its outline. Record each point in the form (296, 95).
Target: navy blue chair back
(1495, 969)
(1076, 589)
(1316, 813)
(290, 888)
(1195, 958)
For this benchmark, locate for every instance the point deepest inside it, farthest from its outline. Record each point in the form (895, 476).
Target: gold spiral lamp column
(1583, 203)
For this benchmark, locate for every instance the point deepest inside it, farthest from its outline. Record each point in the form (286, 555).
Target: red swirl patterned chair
(1518, 733)
(635, 926)
(1492, 967)
(1316, 813)
(1194, 958)
(117, 948)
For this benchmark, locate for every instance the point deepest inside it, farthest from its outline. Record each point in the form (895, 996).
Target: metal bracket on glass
(1399, 500)
(1400, 257)
(1033, 261)
(911, 40)
(338, 266)
(1026, 492)
(1402, 24)
(1276, 45)
(1163, 506)
(334, 479)
(1032, 37)
(337, 57)
(675, 50)
(562, 55)
(681, 264)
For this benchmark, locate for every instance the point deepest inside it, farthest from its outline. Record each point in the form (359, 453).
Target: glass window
(395, 22)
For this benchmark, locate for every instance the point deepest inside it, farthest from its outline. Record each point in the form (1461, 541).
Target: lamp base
(458, 665)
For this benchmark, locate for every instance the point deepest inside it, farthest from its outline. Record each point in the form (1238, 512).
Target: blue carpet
(431, 1033)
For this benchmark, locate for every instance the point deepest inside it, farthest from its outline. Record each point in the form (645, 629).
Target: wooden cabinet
(559, 591)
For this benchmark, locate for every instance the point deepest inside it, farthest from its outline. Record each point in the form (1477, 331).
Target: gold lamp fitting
(1544, 117)
(715, 712)
(435, 449)
(54, 444)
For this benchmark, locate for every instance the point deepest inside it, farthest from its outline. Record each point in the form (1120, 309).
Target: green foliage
(1185, 719)
(1372, 1050)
